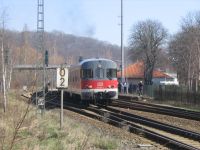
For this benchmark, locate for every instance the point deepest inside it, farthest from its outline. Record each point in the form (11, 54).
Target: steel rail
(153, 123)
(127, 99)
(138, 129)
(157, 109)
(132, 127)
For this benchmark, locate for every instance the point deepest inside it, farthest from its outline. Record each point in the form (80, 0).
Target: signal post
(62, 83)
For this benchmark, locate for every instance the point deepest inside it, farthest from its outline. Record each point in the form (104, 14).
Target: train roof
(95, 59)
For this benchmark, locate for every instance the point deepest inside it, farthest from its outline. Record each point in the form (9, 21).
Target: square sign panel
(62, 77)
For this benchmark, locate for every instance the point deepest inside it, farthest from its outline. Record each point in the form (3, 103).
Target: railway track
(156, 125)
(159, 132)
(170, 136)
(155, 108)
(162, 133)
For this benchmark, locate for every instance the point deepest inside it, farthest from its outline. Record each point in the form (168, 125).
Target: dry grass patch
(22, 129)
(106, 143)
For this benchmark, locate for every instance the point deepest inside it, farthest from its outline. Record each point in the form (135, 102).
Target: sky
(99, 19)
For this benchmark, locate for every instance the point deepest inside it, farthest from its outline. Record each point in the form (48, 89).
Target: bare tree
(2, 35)
(146, 38)
(184, 50)
(24, 45)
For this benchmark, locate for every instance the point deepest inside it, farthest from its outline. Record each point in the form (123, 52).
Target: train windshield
(99, 73)
(111, 73)
(87, 73)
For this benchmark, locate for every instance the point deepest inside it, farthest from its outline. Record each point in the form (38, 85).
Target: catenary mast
(122, 46)
(40, 35)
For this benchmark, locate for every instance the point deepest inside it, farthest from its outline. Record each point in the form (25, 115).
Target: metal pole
(61, 110)
(43, 50)
(40, 32)
(122, 47)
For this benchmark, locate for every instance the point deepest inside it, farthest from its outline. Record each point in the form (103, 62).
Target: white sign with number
(62, 77)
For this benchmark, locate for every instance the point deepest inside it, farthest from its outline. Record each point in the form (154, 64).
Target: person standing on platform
(140, 88)
(122, 87)
(125, 87)
(119, 87)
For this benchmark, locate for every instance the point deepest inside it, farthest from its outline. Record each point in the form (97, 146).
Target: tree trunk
(189, 74)
(196, 83)
(148, 72)
(3, 76)
(10, 77)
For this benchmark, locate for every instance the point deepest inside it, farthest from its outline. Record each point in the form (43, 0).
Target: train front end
(99, 80)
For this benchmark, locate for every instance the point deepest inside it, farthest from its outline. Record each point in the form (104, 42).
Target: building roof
(136, 70)
(95, 59)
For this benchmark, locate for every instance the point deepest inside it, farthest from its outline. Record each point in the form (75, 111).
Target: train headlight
(89, 86)
(111, 86)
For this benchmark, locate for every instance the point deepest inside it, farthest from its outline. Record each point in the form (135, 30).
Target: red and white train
(93, 80)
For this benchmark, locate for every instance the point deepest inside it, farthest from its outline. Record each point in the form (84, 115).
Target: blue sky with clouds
(98, 19)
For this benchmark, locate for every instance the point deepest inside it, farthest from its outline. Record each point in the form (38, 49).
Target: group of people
(124, 87)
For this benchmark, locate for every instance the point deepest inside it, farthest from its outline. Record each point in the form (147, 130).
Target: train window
(87, 73)
(111, 73)
(99, 73)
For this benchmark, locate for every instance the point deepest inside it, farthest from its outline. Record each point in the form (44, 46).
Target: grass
(43, 133)
(106, 143)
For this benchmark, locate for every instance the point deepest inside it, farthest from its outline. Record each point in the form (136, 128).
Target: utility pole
(40, 33)
(122, 47)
